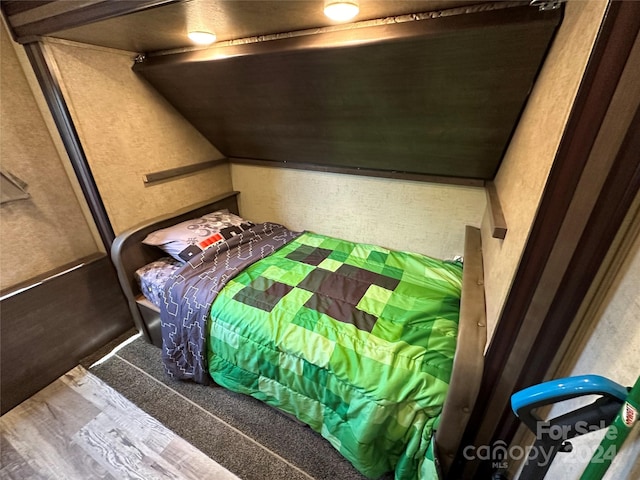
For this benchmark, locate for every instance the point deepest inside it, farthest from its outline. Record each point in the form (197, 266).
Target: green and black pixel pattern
(354, 339)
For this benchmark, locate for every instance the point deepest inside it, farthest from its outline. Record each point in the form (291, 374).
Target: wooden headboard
(129, 253)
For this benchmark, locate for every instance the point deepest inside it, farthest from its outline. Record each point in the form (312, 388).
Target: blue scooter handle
(553, 391)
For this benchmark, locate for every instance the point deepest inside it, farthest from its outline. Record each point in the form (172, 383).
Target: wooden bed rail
(469, 358)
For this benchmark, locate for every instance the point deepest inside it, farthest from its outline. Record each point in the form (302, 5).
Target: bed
(281, 329)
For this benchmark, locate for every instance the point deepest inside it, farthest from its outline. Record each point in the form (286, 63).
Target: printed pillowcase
(187, 239)
(153, 276)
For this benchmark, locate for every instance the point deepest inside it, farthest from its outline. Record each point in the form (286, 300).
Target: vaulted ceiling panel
(435, 96)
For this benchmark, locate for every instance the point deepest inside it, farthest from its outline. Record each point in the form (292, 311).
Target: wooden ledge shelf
(496, 217)
(170, 174)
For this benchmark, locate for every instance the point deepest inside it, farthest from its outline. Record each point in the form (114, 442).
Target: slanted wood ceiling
(439, 96)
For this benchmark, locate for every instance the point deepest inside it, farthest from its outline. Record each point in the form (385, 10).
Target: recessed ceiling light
(341, 10)
(202, 38)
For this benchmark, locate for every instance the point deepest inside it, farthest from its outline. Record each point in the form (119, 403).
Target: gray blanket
(189, 293)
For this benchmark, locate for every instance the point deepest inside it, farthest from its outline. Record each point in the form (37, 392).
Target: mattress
(355, 340)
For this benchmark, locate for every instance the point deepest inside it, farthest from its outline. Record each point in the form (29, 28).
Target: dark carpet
(246, 436)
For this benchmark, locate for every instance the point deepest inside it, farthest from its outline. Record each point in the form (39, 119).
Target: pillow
(185, 240)
(154, 275)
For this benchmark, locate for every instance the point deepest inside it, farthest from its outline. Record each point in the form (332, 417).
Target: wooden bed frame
(129, 253)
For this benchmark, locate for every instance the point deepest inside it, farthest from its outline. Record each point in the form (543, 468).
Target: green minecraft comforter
(355, 340)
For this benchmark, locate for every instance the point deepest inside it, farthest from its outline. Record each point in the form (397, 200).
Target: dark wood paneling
(48, 328)
(438, 96)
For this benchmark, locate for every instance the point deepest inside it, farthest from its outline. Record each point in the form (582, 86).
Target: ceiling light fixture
(199, 22)
(341, 10)
(202, 38)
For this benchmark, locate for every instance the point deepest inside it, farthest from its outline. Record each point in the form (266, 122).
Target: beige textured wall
(127, 130)
(399, 214)
(524, 170)
(48, 230)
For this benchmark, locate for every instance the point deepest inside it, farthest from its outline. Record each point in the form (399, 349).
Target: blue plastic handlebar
(565, 388)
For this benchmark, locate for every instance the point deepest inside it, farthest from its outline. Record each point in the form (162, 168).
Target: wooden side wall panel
(48, 328)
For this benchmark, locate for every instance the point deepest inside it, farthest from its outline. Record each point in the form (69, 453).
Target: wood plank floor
(80, 428)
